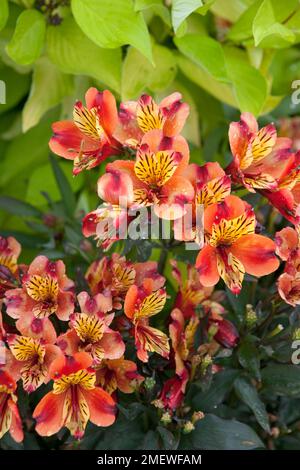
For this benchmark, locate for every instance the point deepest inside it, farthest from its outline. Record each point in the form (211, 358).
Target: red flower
(233, 247)
(88, 139)
(9, 414)
(288, 283)
(74, 400)
(9, 252)
(118, 374)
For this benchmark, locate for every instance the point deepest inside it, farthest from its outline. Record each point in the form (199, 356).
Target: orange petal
(101, 405)
(116, 187)
(230, 208)
(286, 242)
(68, 365)
(130, 301)
(256, 253)
(15, 430)
(49, 414)
(206, 264)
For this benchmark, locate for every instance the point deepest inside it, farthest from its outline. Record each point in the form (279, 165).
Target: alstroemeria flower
(32, 360)
(171, 396)
(141, 303)
(139, 117)
(115, 275)
(90, 332)
(88, 139)
(182, 334)
(118, 374)
(46, 290)
(233, 247)
(9, 414)
(290, 127)
(74, 400)
(154, 179)
(10, 250)
(288, 248)
(211, 185)
(259, 156)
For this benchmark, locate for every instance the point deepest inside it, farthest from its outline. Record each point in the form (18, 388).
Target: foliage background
(224, 56)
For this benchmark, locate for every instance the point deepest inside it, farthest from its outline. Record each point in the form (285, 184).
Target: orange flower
(233, 247)
(211, 185)
(138, 118)
(74, 400)
(10, 250)
(118, 374)
(46, 290)
(288, 248)
(32, 359)
(9, 414)
(182, 335)
(141, 303)
(88, 139)
(90, 331)
(154, 179)
(259, 156)
(114, 276)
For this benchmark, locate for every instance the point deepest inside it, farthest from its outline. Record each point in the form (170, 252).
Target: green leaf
(138, 74)
(242, 29)
(213, 433)
(113, 24)
(16, 207)
(28, 39)
(205, 52)
(67, 195)
(131, 411)
(49, 87)
(4, 12)
(248, 357)
(43, 180)
(155, 6)
(250, 87)
(16, 86)
(281, 379)
(248, 394)
(267, 31)
(181, 9)
(169, 440)
(230, 9)
(221, 385)
(73, 52)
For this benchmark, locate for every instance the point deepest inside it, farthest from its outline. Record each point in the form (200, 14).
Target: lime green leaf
(28, 39)
(73, 52)
(66, 192)
(242, 29)
(250, 87)
(282, 379)
(248, 394)
(213, 433)
(205, 52)
(138, 73)
(156, 6)
(230, 9)
(198, 75)
(267, 31)
(49, 87)
(113, 24)
(181, 9)
(4, 12)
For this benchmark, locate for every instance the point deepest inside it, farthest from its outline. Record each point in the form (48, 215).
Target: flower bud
(188, 427)
(251, 317)
(166, 418)
(149, 383)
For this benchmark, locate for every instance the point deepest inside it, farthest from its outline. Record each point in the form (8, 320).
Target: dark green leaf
(281, 379)
(213, 433)
(14, 206)
(66, 192)
(248, 394)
